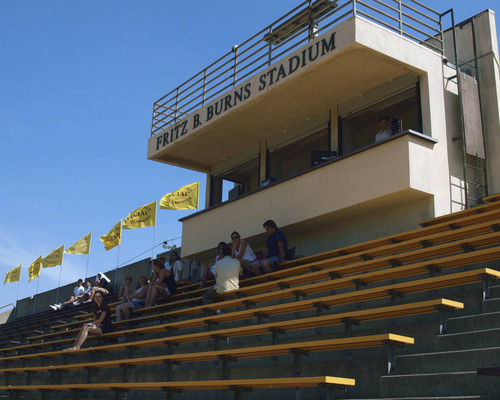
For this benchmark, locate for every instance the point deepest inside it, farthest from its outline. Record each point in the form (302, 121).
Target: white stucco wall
(432, 98)
(380, 174)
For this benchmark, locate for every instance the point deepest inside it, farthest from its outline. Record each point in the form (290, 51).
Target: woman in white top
(176, 266)
(242, 251)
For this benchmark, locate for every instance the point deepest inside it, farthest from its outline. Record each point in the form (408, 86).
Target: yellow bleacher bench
(393, 291)
(389, 340)
(377, 276)
(443, 306)
(452, 261)
(492, 198)
(458, 223)
(490, 205)
(239, 386)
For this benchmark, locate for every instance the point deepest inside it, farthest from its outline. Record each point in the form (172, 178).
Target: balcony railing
(408, 18)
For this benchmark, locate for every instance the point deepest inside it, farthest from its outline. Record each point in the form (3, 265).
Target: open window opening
(301, 155)
(235, 182)
(390, 116)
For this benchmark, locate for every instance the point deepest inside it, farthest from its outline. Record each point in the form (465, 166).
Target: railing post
(235, 68)
(400, 13)
(176, 105)
(204, 86)
(441, 35)
(311, 29)
(269, 56)
(354, 7)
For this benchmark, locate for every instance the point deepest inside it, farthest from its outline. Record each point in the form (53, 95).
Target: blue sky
(77, 85)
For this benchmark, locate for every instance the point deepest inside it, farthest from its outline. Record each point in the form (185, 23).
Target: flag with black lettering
(184, 198)
(55, 257)
(34, 269)
(14, 275)
(113, 237)
(82, 246)
(142, 217)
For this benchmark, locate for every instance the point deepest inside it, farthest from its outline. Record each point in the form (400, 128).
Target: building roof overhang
(343, 70)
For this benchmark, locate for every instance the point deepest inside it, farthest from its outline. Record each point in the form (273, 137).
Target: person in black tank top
(102, 323)
(162, 284)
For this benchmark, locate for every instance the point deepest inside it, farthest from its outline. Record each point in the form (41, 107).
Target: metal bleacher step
(478, 397)
(446, 361)
(495, 289)
(478, 339)
(475, 322)
(439, 384)
(491, 305)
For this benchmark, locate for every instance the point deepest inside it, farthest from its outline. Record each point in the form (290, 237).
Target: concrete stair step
(448, 361)
(466, 383)
(494, 397)
(494, 291)
(479, 339)
(491, 305)
(474, 322)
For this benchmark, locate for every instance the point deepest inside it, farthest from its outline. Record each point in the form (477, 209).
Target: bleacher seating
(339, 305)
(237, 386)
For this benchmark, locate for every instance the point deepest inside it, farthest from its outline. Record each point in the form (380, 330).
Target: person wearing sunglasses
(242, 251)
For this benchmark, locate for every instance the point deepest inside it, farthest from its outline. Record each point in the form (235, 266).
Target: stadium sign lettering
(298, 61)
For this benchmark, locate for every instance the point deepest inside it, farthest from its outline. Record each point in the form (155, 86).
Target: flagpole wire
(116, 270)
(87, 267)
(17, 295)
(36, 293)
(88, 256)
(154, 238)
(59, 285)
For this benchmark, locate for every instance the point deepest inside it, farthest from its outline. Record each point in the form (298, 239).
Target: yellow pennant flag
(14, 275)
(185, 198)
(55, 257)
(113, 237)
(143, 216)
(34, 269)
(80, 247)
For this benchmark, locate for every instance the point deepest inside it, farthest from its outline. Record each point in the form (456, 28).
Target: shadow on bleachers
(288, 329)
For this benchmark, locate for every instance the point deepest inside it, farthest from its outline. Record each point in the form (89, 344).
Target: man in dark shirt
(275, 251)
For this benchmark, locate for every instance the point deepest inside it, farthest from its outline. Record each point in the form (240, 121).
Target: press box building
(284, 125)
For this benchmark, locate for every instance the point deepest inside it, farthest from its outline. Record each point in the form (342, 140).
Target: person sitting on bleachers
(126, 289)
(227, 276)
(209, 272)
(275, 251)
(176, 266)
(242, 251)
(162, 260)
(86, 293)
(102, 284)
(77, 292)
(102, 323)
(135, 299)
(162, 285)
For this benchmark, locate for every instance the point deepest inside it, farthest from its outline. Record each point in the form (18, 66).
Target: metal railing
(7, 305)
(309, 19)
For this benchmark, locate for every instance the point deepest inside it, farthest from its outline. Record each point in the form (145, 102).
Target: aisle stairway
(450, 372)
